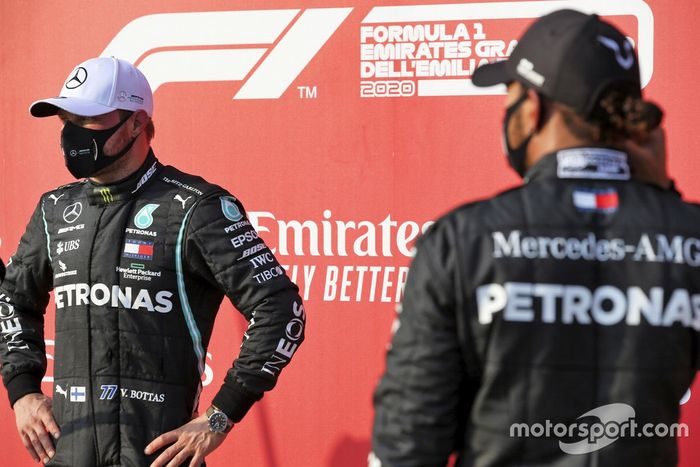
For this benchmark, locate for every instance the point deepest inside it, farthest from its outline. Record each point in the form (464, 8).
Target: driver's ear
(532, 112)
(538, 108)
(140, 120)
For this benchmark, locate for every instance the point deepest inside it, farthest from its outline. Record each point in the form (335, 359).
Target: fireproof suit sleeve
(416, 403)
(24, 295)
(251, 277)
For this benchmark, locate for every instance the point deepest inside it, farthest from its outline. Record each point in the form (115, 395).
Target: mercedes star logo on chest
(72, 212)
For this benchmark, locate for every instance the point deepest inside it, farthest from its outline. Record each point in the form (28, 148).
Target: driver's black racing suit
(574, 299)
(138, 270)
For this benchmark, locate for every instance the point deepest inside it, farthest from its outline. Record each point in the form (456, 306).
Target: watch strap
(212, 409)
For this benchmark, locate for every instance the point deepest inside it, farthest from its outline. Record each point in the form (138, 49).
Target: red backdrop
(344, 127)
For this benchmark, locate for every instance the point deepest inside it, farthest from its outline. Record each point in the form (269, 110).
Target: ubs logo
(68, 245)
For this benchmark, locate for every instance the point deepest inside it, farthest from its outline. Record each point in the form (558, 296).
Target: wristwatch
(218, 421)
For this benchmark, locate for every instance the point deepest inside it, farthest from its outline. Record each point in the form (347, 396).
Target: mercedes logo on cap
(77, 79)
(72, 212)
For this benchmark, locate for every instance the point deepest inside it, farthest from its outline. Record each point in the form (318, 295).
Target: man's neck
(122, 168)
(554, 136)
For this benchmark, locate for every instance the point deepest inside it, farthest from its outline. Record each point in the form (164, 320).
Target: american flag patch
(138, 249)
(606, 201)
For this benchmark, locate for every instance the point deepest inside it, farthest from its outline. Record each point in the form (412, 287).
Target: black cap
(569, 56)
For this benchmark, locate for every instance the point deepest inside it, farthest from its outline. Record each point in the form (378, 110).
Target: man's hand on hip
(194, 440)
(36, 425)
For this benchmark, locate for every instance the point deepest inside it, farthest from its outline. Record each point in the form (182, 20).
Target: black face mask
(516, 156)
(83, 148)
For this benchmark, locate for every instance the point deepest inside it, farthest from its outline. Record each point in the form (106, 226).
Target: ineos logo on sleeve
(78, 78)
(73, 212)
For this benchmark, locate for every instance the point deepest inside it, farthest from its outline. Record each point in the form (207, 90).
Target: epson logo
(114, 296)
(657, 248)
(575, 304)
(247, 237)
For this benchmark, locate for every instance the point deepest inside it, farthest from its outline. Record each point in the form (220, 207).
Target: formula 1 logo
(270, 47)
(407, 50)
(433, 50)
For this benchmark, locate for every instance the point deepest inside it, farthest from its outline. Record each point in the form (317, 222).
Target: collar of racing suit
(594, 163)
(126, 188)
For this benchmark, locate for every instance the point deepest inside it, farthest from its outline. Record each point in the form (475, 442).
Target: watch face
(218, 422)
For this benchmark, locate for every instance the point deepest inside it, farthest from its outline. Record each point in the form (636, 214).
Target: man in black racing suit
(139, 257)
(548, 325)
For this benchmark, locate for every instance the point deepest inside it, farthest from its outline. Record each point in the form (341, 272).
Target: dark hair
(619, 114)
(150, 130)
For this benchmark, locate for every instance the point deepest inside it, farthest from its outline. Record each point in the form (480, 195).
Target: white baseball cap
(98, 86)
